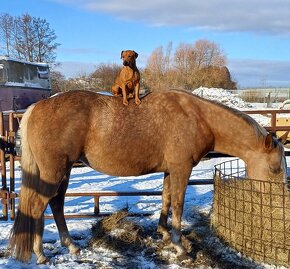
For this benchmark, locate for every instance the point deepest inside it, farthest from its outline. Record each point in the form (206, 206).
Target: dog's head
(129, 57)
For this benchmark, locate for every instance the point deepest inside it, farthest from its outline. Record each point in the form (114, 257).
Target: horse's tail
(22, 233)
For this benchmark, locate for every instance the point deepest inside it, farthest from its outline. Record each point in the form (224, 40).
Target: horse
(170, 132)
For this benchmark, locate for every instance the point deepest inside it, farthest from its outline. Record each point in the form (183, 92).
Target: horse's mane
(260, 131)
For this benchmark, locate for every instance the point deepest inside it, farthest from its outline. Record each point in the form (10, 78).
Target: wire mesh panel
(252, 216)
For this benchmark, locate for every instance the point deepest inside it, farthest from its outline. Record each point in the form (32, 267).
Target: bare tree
(105, 75)
(193, 65)
(24, 37)
(214, 76)
(207, 53)
(156, 74)
(45, 45)
(185, 65)
(57, 81)
(28, 38)
(6, 28)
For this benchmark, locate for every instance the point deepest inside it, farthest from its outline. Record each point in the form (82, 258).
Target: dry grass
(257, 223)
(115, 231)
(119, 232)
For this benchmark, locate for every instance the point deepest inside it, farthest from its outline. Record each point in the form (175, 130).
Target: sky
(253, 34)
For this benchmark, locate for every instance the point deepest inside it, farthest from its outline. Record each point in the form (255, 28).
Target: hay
(115, 231)
(256, 223)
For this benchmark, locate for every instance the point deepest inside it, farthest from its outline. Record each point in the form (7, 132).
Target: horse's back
(111, 137)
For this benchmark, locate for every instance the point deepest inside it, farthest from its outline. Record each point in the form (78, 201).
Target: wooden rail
(273, 114)
(98, 194)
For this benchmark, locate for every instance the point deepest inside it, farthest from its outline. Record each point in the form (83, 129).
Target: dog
(127, 83)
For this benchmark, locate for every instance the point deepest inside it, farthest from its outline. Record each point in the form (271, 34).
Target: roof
(5, 58)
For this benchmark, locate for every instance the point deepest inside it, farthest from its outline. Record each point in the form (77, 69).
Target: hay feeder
(252, 216)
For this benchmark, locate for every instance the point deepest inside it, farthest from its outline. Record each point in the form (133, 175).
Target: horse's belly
(122, 170)
(125, 167)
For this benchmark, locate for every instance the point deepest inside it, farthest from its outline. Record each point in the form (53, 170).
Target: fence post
(4, 188)
(97, 204)
(12, 164)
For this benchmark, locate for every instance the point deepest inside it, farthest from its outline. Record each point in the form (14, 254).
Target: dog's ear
(122, 54)
(136, 54)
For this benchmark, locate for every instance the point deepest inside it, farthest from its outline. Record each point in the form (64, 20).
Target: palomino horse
(170, 132)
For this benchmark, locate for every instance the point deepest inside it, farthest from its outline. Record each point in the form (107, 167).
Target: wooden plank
(282, 122)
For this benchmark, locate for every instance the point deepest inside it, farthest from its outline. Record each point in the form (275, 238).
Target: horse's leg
(57, 205)
(166, 200)
(51, 178)
(178, 183)
(37, 244)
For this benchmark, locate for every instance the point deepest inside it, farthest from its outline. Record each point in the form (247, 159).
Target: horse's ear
(283, 138)
(269, 141)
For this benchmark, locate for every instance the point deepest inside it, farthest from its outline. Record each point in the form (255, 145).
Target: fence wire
(253, 216)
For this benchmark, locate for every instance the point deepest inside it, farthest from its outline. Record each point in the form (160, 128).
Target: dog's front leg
(124, 93)
(137, 88)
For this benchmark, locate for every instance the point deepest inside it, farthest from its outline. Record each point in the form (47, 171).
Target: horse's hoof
(166, 238)
(186, 244)
(73, 249)
(42, 260)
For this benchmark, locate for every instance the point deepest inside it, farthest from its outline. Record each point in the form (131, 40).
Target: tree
(24, 37)
(105, 75)
(185, 66)
(6, 27)
(57, 81)
(207, 53)
(215, 77)
(28, 38)
(45, 45)
(193, 65)
(156, 74)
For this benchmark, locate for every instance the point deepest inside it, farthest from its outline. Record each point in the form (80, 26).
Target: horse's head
(268, 162)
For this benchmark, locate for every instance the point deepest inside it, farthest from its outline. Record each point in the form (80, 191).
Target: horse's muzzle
(288, 182)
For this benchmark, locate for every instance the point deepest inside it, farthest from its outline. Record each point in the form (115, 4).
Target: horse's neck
(233, 134)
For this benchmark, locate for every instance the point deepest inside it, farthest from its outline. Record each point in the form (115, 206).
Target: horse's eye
(276, 170)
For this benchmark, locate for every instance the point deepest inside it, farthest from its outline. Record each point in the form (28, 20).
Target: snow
(223, 96)
(232, 100)
(23, 84)
(84, 179)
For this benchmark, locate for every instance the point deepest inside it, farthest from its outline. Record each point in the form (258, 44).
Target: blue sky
(254, 34)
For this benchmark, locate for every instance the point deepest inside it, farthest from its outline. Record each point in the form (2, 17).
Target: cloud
(260, 73)
(267, 16)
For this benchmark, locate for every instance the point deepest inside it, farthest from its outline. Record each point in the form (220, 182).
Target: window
(2, 78)
(42, 72)
(16, 72)
(32, 71)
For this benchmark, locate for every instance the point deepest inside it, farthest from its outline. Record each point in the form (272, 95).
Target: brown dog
(127, 82)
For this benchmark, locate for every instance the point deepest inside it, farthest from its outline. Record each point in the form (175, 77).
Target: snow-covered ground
(198, 200)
